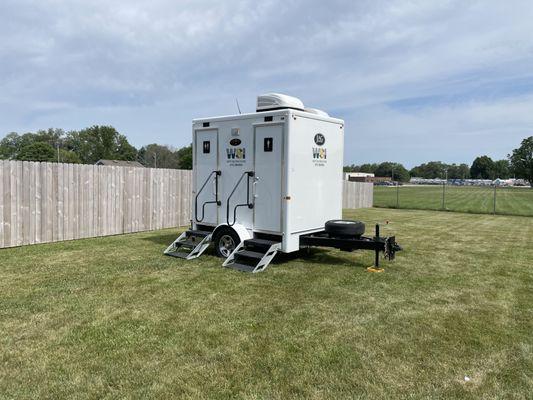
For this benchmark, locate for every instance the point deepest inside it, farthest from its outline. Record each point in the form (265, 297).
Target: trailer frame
(377, 243)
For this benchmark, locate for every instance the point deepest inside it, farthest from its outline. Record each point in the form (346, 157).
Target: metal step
(190, 244)
(197, 233)
(259, 243)
(256, 260)
(249, 254)
(178, 254)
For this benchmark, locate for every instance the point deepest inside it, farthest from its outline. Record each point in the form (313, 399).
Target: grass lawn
(511, 201)
(114, 318)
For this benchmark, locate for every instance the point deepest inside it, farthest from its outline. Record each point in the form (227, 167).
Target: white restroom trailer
(262, 181)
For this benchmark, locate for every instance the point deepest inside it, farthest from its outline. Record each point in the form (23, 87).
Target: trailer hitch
(390, 247)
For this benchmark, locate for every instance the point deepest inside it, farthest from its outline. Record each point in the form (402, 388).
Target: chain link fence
(448, 197)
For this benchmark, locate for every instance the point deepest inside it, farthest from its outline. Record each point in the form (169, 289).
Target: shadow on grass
(319, 256)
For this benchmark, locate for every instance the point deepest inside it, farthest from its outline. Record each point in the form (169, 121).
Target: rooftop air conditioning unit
(316, 111)
(276, 101)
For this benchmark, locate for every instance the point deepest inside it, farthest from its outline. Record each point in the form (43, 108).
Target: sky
(414, 81)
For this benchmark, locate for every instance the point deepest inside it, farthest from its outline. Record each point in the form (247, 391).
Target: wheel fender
(239, 229)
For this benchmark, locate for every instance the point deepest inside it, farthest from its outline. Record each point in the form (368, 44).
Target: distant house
(365, 177)
(349, 176)
(119, 163)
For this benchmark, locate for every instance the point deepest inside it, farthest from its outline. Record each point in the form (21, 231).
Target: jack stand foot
(375, 269)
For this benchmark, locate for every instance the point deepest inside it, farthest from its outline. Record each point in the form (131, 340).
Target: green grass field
(114, 318)
(510, 201)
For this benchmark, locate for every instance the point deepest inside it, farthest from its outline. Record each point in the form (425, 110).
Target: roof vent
(317, 112)
(276, 101)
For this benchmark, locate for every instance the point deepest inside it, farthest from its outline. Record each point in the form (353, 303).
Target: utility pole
(57, 144)
(155, 160)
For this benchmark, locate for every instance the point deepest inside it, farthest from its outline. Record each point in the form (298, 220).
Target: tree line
(97, 142)
(519, 164)
(89, 145)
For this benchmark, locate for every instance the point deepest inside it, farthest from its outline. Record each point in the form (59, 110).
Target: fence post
(444, 196)
(494, 209)
(397, 195)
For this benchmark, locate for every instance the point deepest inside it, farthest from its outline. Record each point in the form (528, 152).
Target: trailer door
(267, 190)
(204, 208)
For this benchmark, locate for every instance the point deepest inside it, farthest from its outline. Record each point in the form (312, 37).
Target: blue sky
(414, 80)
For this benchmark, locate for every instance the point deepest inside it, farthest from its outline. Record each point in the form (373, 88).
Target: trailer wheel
(225, 241)
(345, 228)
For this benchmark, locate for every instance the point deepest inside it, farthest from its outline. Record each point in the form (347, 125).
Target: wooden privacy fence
(50, 202)
(357, 194)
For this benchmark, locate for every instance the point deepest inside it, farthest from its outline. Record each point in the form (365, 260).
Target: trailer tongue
(385, 245)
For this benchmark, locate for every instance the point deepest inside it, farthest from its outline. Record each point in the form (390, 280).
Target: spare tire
(345, 228)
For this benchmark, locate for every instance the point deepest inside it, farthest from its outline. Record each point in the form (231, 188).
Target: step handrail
(249, 174)
(217, 201)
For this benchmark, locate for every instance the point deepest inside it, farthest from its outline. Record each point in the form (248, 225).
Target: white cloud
(408, 76)
(452, 133)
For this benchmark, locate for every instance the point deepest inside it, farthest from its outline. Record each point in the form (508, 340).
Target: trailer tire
(344, 228)
(225, 240)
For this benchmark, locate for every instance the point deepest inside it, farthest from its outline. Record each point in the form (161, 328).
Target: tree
(437, 169)
(155, 155)
(461, 171)
(482, 168)
(125, 151)
(350, 168)
(68, 156)
(370, 168)
(430, 170)
(501, 169)
(185, 157)
(100, 142)
(10, 145)
(38, 151)
(388, 169)
(522, 160)
(54, 137)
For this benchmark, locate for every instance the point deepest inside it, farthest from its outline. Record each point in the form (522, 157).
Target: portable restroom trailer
(263, 181)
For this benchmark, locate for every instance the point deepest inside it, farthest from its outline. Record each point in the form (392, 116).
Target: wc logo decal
(238, 153)
(319, 153)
